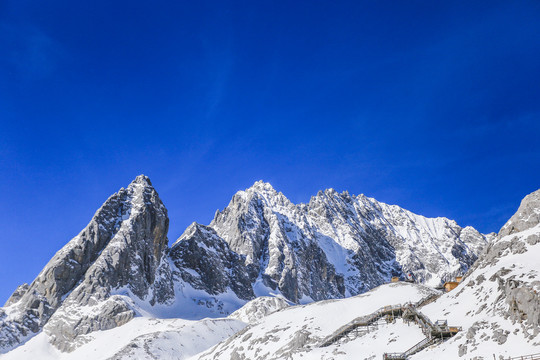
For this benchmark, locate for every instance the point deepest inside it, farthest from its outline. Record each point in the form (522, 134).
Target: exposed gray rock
(122, 247)
(258, 308)
(526, 217)
(339, 245)
(17, 294)
(206, 262)
(285, 256)
(299, 341)
(66, 330)
(462, 350)
(500, 336)
(524, 302)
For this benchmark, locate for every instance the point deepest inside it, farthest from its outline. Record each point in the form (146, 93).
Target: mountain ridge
(120, 266)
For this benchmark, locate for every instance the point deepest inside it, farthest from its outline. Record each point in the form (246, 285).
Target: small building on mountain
(450, 285)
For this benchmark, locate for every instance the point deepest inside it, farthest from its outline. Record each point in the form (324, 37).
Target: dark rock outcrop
(206, 262)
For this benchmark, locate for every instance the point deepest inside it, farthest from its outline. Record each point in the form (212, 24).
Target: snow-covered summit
(356, 241)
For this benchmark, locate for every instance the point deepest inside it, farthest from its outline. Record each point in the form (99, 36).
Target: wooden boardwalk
(434, 332)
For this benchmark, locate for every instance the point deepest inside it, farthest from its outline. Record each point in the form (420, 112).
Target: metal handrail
(365, 320)
(526, 357)
(418, 346)
(428, 328)
(393, 356)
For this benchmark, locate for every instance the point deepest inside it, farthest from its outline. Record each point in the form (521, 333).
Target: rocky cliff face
(271, 232)
(527, 216)
(339, 245)
(122, 247)
(203, 260)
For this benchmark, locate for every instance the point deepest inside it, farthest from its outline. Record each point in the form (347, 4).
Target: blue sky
(433, 106)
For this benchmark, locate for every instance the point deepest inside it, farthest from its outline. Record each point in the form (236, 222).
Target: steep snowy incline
(296, 332)
(121, 248)
(258, 308)
(497, 304)
(340, 245)
(142, 338)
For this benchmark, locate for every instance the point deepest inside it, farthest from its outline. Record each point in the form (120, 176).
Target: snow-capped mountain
(119, 269)
(339, 245)
(496, 307)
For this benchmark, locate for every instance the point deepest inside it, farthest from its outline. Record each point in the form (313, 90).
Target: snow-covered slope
(497, 304)
(296, 332)
(142, 338)
(257, 309)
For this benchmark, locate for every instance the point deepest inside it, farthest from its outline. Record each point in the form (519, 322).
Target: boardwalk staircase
(434, 332)
(364, 323)
(525, 357)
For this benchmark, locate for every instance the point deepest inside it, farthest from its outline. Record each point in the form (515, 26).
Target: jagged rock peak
(122, 247)
(142, 180)
(253, 199)
(263, 186)
(206, 262)
(348, 236)
(191, 230)
(527, 216)
(263, 190)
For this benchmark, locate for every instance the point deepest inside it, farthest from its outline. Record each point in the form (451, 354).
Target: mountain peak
(121, 248)
(527, 216)
(142, 180)
(262, 186)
